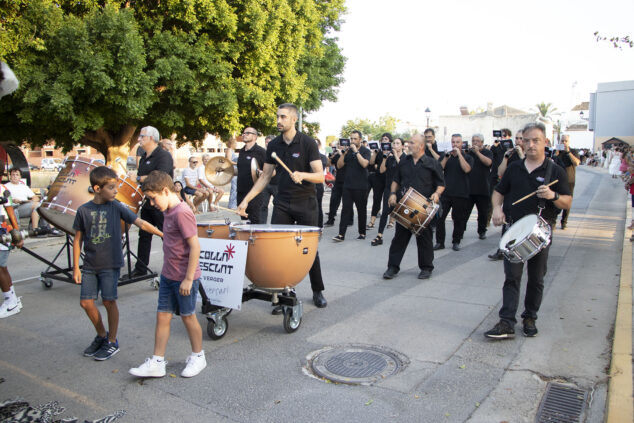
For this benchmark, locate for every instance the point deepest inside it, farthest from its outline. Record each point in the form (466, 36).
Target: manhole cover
(562, 404)
(356, 364)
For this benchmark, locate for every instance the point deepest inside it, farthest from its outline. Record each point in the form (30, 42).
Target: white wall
(612, 110)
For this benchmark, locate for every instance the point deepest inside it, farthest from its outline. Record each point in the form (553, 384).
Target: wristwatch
(556, 197)
(392, 193)
(138, 179)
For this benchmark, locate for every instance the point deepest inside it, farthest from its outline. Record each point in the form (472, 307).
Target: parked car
(33, 167)
(131, 163)
(51, 164)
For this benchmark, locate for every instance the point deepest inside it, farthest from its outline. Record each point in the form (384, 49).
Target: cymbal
(255, 170)
(219, 170)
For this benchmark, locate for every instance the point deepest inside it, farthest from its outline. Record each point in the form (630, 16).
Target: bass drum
(278, 256)
(213, 228)
(414, 211)
(71, 189)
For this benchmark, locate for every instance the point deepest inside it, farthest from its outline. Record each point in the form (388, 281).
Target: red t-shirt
(179, 224)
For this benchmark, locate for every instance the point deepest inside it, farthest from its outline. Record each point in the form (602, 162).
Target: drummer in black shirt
(295, 202)
(425, 175)
(457, 166)
(479, 194)
(246, 154)
(153, 158)
(521, 178)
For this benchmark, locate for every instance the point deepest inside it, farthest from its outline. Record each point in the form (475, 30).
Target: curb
(620, 390)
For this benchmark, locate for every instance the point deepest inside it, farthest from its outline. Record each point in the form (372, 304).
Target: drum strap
(541, 204)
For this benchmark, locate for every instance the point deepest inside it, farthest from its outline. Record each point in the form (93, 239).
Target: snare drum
(414, 211)
(278, 256)
(217, 229)
(525, 238)
(71, 189)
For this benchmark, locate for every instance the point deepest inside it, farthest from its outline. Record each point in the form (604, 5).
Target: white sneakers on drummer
(7, 309)
(151, 368)
(195, 364)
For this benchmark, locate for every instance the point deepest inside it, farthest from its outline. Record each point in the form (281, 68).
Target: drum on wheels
(213, 228)
(71, 189)
(414, 211)
(525, 238)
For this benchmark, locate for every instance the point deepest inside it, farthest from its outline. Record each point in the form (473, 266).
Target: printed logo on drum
(295, 155)
(230, 251)
(305, 251)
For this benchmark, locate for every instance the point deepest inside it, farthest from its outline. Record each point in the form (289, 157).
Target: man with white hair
(153, 158)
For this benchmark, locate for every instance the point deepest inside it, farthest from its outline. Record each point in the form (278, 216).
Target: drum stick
(274, 155)
(533, 193)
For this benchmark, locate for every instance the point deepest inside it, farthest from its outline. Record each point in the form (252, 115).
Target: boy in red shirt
(180, 277)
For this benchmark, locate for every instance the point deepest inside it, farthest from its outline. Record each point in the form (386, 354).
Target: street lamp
(427, 114)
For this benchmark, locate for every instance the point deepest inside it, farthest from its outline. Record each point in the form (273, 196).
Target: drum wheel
(291, 321)
(217, 330)
(47, 282)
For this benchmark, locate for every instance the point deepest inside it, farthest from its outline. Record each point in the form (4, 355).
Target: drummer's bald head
(290, 107)
(151, 132)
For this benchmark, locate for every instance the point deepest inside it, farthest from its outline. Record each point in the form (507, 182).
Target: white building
(611, 112)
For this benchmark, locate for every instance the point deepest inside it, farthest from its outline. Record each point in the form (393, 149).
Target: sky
(406, 55)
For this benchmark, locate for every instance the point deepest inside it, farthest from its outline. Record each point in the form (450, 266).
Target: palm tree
(545, 109)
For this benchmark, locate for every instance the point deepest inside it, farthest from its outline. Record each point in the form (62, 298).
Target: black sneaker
(329, 223)
(107, 350)
(498, 255)
(95, 346)
(501, 331)
(390, 272)
(530, 330)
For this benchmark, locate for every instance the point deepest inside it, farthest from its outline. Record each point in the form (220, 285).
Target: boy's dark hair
(156, 181)
(15, 169)
(101, 175)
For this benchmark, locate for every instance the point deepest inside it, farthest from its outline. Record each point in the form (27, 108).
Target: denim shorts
(170, 301)
(95, 281)
(4, 258)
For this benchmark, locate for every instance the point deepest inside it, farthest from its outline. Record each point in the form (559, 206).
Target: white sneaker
(195, 364)
(7, 310)
(151, 368)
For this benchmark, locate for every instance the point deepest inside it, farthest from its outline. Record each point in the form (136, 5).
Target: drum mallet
(533, 193)
(274, 155)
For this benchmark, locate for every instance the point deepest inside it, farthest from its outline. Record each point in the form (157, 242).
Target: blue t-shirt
(101, 227)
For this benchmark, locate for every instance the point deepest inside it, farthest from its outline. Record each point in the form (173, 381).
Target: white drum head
(519, 231)
(274, 228)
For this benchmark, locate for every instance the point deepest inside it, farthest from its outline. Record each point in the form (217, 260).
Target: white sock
(158, 358)
(9, 297)
(199, 354)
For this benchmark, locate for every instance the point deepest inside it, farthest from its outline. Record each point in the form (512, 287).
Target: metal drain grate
(356, 364)
(562, 404)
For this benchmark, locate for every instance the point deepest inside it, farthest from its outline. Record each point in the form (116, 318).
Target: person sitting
(178, 186)
(211, 189)
(26, 203)
(190, 177)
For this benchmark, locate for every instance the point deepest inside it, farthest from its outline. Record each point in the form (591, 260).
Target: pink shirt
(179, 224)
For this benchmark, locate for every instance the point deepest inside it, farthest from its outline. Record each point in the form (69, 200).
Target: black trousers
(423, 243)
(536, 270)
(482, 204)
(267, 193)
(459, 214)
(254, 209)
(386, 210)
(335, 200)
(319, 190)
(155, 217)
(300, 212)
(377, 183)
(565, 213)
(358, 197)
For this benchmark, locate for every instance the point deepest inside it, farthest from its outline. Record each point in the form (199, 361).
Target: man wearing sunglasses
(251, 151)
(190, 177)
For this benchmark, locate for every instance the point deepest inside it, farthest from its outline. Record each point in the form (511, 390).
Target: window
(81, 151)
(48, 153)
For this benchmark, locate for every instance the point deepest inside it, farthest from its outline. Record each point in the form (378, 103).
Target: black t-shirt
(456, 179)
(340, 174)
(479, 175)
(498, 154)
(374, 168)
(424, 176)
(297, 156)
(159, 160)
(245, 180)
(356, 175)
(517, 182)
(101, 228)
(390, 169)
(434, 147)
(562, 158)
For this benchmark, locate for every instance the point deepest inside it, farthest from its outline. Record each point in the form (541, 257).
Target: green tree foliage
(372, 130)
(545, 109)
(93, 72)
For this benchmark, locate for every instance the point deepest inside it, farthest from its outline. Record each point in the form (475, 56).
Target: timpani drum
(71, 189)
(213, 228)
(414, 211)
(278, 256)
(525, 238)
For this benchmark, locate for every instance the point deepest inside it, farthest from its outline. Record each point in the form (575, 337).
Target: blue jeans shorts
(170, 301)
(95, 281)
(4, 258)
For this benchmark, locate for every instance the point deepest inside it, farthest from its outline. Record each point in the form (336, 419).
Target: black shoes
(496, 256)
(482, 236)
(319, 300)
(455, 246)
(377, 241)
(563, 224)
(501, 331)
(439, 246)
(424, 274)
(530, 330)
(134, 274)
(329, 223)
(361, 236)
(338, 238)
(390, 272)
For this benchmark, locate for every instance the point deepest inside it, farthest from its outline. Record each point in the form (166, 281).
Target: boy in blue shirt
(98, 226)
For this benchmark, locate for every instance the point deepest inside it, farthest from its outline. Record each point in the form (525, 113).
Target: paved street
(259, 373)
